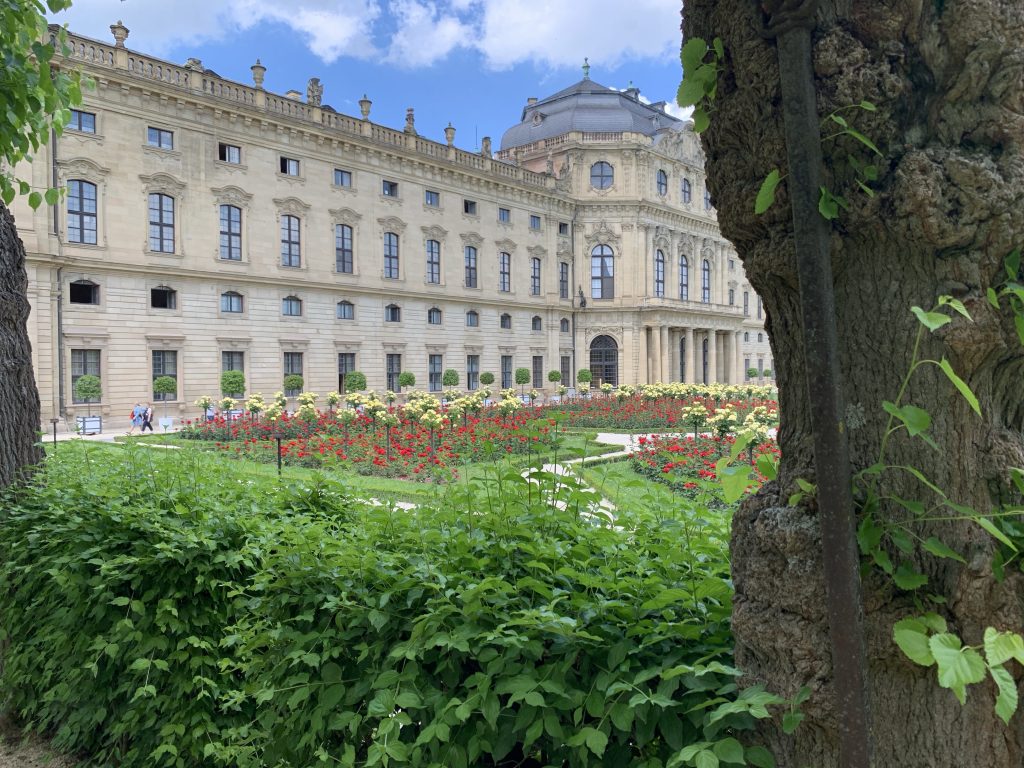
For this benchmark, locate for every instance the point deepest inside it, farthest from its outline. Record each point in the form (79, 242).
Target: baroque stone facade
(210, 225)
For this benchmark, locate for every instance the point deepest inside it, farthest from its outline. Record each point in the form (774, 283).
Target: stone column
(695, 354)
(737, 348)
(656, 356)
(712, 356)
(723, 359)
(666, 354)
(729, 364)
(691, 369)
(641, 367)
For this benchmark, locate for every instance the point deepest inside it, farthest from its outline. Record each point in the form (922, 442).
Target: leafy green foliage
(450, 378)
(293, 382)
(700, 78)
(486, 378)
(232, 383)
(554, 376)
(88, 388)
(355, 381)
(154, 612)
(406, 379)
(35, 96)
(584, 376)
(766, 195)
(522, 376)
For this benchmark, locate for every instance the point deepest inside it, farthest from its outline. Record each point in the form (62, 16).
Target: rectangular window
(229, 153)
(231, 302)
(565, 368)
(343, 254)
(291, 244)
(432, 198)
(165, 363)
(81, 212)
(563, 280)
(232, 361)
(292, 367)
(746, 366)
(535, 277)
(289, 166)
(84, 122)
(534, 222)
(538, 371)
(389, 188)
(231, 233)
(158, 137)
(469, 207)
(433, 261)
(346, 310)
(471, 276)
(342, 178)
(346, 365)
(83, 292)
(746, 304)
(434, 371)
(506, 371)
(759, 309)
(472, 372)
(504, 272)
(504, 215)
(394, 367)
(161, 223)
(391, 255)
(163, 298)
(563, 228)
(83, 362)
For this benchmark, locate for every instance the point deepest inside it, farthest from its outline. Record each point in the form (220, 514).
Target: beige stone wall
(203, 112)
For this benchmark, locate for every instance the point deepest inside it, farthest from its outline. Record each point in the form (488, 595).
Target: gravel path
(17, 751)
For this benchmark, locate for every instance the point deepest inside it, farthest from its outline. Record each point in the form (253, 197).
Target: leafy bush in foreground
(154, 614)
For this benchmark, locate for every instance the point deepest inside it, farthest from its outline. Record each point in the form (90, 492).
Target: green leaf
(868, 106)
(807, 487)
(931, 320)
(989, 526)
(960, 385)
(954, 304)
(760, 757)
(766, 194)
(35, 200)
(693, 53)
(917, 420)
(596, 740)
(790, 721)
(939, 549)
(52, 196)
(1012, 264)
(839, 119)
(958, 666)
(1006, 702)
(1000, 647)
(911, 635)
(705, 759)
(719, 47)
(734, 479)
(993, 298)
(701, 120)
(827, 205)
(908, 579)
(864, 140)
(690, 92)
(767, 466)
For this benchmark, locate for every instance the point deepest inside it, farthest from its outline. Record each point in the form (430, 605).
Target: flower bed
(657, 413)
(682, 463)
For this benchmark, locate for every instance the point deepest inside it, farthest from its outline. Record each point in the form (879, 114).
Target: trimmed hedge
(156, 612)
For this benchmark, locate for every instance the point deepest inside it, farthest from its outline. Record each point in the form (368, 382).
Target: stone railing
(91, 54)
(554, 143)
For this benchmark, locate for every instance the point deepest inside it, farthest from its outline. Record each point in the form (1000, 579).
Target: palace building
(210, 225)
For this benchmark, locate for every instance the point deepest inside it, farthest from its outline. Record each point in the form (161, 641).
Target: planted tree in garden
(522, 378)
(293, 383)
(165, 385)
(918, 121)
(554, 376)
(406, 379)
(34, 99)
(232, 383)
(487, 378)
(89, 390)
(355, 381)
(751, 373)
(450, 378)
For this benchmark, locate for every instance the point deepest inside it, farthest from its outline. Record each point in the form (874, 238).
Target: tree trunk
(19, 400)
(947, 77)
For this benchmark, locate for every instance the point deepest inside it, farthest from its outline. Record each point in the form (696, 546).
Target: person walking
(147, 418)
(137, 413)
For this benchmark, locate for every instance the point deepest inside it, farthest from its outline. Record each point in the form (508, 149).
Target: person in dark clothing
(147, 418)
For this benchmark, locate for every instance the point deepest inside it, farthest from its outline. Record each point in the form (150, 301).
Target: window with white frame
(292, 367)
(231, 302)
(505, 321)
(602, 272)
(659, 274)
(229, 153)
(536, 324)
(165, 363)
(435, 372)
(83, 122)
(705, 282)
(563, 280)
(434, 316)
(291, 241)
(160, 138)
(84, 362)
(344, 256)
(163, 297)
(231, 232)
(391, 255)
(433, 261)
(161, 223)
(504, 272)
(392, 313)
(662, 181)
(472, 372)
(342, 178)
(684, 278)
(535, 276)
(289, 166)
(291, 306)
(81, 212)
(471, 273)
(346, 310)
(472, 319)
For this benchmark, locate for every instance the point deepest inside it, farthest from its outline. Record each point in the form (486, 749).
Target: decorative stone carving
(538, 251)
(392, 224)
(163, 183)
(314, 92)
(472, 238)
(602, 234)
(434, 232)
(410, 121)
(231, 195)
(564, 249)
(345, 216)
(80, 167)
(291, 205)
(505, 245)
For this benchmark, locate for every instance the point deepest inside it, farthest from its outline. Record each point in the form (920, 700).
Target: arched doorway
(604, 361)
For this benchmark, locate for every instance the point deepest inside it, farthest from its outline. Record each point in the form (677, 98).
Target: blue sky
(470, 62)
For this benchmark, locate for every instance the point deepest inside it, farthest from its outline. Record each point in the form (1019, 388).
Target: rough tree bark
(19, 398)
(947, 77)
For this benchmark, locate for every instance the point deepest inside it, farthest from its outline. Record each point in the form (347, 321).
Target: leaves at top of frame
(766, 194)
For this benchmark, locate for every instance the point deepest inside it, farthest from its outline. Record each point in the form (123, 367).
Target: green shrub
(355, 381)
(232, 383)
(406, 379)
(153, 614)
(584, 376)
(554, 376)
(487, 378)
(293, 383)
(450, 378)
(89, 389)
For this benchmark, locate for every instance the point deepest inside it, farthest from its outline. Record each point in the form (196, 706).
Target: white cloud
(683, 113)
(425, 34)
(563, 33)
(330, 28)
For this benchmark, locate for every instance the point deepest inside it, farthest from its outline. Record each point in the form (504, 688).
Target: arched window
(732, 296)
(746, 337)
(433, 261)
(161, 223)
(346, 310)
(536, 324)
(392, 313)
(231, 232)
(472, 319)
(391, 255)
(563, 325)
(659, 274)
(687, 191)
(604, 361)
(504, 272)
(291, 242)
(505, 321)
(81, 212)
(344, 260)
(434, 316)
(602, 272)
(705, 282)
(232, 302)
(84, 292)
(662, 183)
(601, 175)
(684, 278)
(535, 277)
(760, 338)
(291, 306)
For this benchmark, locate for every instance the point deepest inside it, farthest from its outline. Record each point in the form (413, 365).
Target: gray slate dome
(588, 106)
